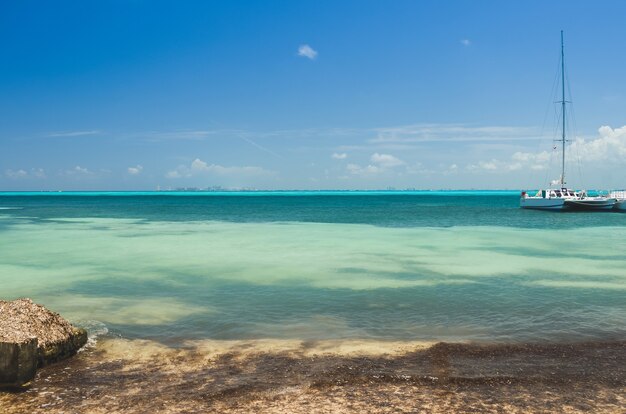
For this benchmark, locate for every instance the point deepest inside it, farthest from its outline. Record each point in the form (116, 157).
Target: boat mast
(563, 112)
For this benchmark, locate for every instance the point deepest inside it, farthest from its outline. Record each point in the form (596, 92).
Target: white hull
(571, 203)
(540, 203)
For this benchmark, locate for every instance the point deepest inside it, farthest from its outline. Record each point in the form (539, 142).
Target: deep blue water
(395, 209)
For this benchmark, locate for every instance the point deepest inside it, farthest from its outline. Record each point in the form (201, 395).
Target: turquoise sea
(452, 266)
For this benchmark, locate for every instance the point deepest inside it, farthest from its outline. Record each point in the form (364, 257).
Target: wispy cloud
(74, 133)
(307, 52)
(534, 161)
(452, 132)
(380, 163)
(199, 167)
(386, 160)
(381, 136)
(356, 169)
(451, 169)
(491, 165)
(341, 156)
(466, 42)
(519, 161)
(78, 171)
(21, 173)
(16, 174)
(183, 135)
(38, 172)
(135, 170)
(261, 147)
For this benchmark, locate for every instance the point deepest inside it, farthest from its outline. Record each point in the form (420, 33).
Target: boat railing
(620, 194)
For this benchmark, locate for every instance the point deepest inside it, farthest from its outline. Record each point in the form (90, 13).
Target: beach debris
(32, 336)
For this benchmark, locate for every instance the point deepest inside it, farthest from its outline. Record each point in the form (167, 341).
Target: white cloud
(78, 171)
(466, 42)
(514, 166)
(490, 165)
(18, 174)
(341, 156)
(135, 170)
(386, 160)
(369, 170)
(609, 146)
(38, 173)
(534, 161)
(381, 163)
(531, 157)
(495, 165)
(307, 51)
(174, 174)
(199, 167)
(485, 165)
(606, 150)
(452, 169)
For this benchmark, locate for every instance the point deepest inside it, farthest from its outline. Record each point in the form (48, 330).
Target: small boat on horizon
(563, 198)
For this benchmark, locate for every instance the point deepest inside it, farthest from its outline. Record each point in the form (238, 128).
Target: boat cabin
(555, 193)
(558, 193)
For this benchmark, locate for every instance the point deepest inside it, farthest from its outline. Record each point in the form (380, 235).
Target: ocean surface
(449, 266)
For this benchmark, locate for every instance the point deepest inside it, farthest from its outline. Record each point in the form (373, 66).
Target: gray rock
(30, 337)
(18, 362)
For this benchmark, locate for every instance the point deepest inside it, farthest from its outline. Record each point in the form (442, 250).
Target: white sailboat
(561, 197)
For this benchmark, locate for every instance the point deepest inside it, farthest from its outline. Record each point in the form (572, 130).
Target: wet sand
(270, 376)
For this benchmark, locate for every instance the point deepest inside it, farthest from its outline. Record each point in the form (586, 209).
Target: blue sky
(136, 94)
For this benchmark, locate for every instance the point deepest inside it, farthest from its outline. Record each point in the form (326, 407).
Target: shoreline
(121, 375)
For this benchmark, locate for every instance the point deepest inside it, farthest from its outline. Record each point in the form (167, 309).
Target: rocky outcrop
(32, 336)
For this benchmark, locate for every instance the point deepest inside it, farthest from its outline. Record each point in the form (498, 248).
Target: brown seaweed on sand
(142, 376)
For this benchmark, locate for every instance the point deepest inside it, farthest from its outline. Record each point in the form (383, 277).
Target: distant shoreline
(260, 192)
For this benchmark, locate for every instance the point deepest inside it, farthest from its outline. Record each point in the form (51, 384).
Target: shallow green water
(423, 266)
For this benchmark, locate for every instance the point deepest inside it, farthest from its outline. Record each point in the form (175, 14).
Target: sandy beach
(272, 376)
